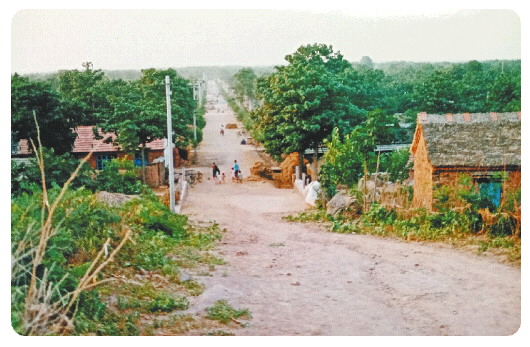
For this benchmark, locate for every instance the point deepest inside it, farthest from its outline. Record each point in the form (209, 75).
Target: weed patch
(223, 312)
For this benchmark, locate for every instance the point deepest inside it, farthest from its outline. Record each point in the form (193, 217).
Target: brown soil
(298, 279)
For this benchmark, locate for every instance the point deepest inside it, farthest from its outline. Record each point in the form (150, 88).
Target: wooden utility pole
(170, 149)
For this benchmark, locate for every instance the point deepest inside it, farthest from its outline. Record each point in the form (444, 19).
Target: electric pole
(195, 122)
(170, 149)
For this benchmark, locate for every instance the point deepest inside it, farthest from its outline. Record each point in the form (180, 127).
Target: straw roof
(471, 140)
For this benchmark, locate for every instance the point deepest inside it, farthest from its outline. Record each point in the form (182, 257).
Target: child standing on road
(233, 174)
(215, 172)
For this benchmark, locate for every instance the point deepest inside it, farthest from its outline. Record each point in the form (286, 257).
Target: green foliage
(396, 164)
(343, 163)
(347, 157)
(39, 97)
(166, 303)
(84, 95)
(26, 178)
(119, 176)
(84, 225)
(304, 100)
(245, 85)
(223, 312)
(308, 216)
(379, 214)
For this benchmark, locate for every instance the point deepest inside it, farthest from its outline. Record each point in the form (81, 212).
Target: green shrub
(379, 214)
(223, 312)
(119, 176)
(166, 303)
(26, 178)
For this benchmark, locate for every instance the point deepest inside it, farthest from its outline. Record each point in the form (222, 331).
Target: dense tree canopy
(304, 100)
(84, 95)
(39, 97)
(245, 85)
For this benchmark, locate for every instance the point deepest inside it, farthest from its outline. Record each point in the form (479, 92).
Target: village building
(103, 152)
(481, 145)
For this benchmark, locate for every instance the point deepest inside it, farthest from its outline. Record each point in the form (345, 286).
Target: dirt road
(297, 279)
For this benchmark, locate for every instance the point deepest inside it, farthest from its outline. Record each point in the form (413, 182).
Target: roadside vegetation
(462, 218)
(97, 252)
(319, 99)
(84, 267)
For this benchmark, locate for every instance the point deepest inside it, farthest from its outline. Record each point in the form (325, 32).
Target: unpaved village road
(297, 279)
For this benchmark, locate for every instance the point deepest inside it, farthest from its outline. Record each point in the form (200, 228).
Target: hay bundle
(231, 126)
(260, 170)
(284, 178)
(165, 198)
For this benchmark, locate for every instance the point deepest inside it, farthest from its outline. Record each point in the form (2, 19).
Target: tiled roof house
(86, 141)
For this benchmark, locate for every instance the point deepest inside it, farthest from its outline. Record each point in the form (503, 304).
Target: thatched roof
(471, 140)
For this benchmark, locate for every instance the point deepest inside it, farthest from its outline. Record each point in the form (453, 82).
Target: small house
(86, 141)
(481, 145)
(104, 152)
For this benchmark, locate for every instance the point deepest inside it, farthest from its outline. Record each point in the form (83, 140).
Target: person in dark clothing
(215, 171)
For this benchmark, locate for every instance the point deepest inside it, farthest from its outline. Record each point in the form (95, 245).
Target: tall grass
(47, 308)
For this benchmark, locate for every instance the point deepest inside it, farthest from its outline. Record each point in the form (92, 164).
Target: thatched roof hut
(477, 143)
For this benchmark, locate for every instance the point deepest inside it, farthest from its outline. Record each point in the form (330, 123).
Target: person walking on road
(222, 130)
(215, 172)
(237, 171)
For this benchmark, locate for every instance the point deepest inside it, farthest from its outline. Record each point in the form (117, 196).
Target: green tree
(138, 113)
(245, 86)
(348, 158)
(38, 96)
(84, 95)
(304, 100)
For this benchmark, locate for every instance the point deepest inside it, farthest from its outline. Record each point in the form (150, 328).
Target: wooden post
(365, 191)
(315, 178)
(377, 172)
(300, 164)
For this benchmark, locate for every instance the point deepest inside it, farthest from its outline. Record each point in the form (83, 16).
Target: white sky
(48, 40)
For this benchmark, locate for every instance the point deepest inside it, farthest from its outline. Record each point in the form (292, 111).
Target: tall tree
(139, 110)
(304, 100)
(37, 96)
(84, 95)
(245, 86)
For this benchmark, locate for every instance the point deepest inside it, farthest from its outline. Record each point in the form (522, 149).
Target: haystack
(231, 126)
(165, 198)
(285, 178)
(260, 170)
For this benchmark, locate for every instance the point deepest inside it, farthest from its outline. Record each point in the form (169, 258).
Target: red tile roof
(85, 141)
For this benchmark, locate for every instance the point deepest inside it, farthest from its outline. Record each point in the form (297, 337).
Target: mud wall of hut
(423, 183)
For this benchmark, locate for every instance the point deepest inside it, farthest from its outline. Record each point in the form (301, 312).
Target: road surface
(298, 279)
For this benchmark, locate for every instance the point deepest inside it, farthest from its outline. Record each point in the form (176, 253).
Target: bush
(26, 178)
(166, 303)
(223, 312)
(82, 224)
(119, 176)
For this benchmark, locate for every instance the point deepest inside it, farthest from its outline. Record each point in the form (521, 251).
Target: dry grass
(46, 311)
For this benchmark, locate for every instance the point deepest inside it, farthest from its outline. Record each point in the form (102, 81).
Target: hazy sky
(49, 40)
